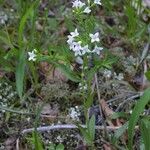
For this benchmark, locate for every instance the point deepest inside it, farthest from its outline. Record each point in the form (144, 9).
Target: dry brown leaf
(10, 143)
(49, 114)
(81, 147)
(107, 147)
(48, 110)
(108, 112)
(50, 73)
(58, 75)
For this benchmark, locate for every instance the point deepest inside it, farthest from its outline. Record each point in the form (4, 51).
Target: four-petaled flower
(98, 2)
(78, 4)
(32, 55)
(87, 10)
(97, 50)
(70, 39)
(94, 37)
(77, 46)
(75, 33)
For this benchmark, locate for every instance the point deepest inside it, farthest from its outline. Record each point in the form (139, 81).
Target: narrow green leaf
(20, 71)
(139, 107)
(147, 74)
(91, 127)
(65, 68)
(5, 39)
(85, 134)
(89, 100)
(23, 22)
(116, 115)
(145, 130)
(37, 141)
(121, 130)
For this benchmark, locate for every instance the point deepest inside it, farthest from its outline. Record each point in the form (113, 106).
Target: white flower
(107, 73)
(3, 18)
(32, 55)
(130, 111)
(78, 4)
(94, 37)
(59, 139)
(120, 76)
(97, 50)
(28, 119)
(78, 53)
(74, 113)
(98, 2)
(70, 39)
(72, 45)
(77, 46)
(82, 86)
(85, 49)
(75, 33)
(87, 10)
(79, 60)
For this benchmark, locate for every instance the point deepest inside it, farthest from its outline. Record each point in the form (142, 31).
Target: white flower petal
(87, 10)
(94, 37)
(79, 60)
(78, 4)
(98, 2)
(75, 33)
(97, 50)
(70, 39)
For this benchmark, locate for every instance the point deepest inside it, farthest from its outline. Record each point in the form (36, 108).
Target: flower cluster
(83, 86)
(109, 74)
(77, 4)
(7, 95)
(74, 113)
(78, 49)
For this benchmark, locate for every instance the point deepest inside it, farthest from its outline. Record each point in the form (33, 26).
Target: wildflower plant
(84, 42)
(83, 46)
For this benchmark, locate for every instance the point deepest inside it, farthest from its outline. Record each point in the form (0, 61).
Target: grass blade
(91, 127)
(145, 130)
(135, 115)
(20, 70)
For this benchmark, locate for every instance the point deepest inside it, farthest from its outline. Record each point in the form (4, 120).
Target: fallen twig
(68, 126)
(100, 106)
(129, 99)
(98, 94)
(130, 95)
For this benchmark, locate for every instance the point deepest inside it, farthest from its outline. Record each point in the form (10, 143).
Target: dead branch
(68, 126)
